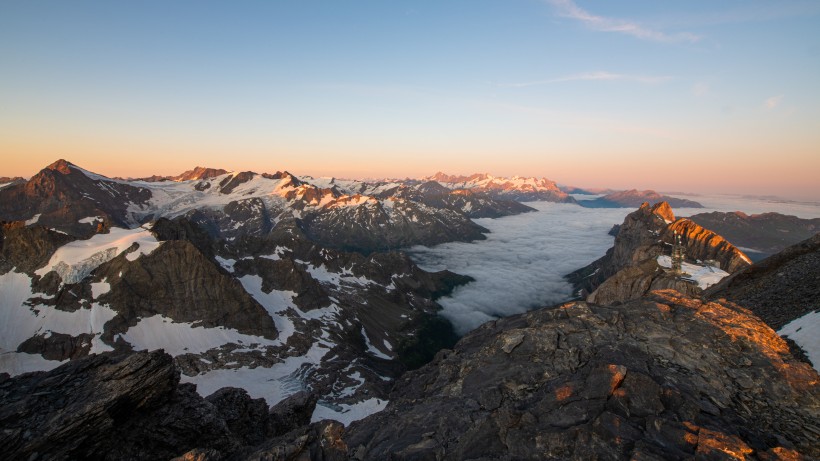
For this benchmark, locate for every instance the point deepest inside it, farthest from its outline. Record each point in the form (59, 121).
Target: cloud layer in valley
(522, 263)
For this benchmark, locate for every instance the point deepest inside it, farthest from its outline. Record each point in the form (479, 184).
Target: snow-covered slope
(273, 314)
(343, 214)
(805, 331)
(703, 275)
(516, 187)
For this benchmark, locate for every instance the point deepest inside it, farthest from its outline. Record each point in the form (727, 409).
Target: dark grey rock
(661, 377)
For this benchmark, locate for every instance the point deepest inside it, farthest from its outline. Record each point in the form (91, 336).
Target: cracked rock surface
(662, 377)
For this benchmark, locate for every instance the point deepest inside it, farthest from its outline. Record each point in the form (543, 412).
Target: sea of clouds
(523, 262)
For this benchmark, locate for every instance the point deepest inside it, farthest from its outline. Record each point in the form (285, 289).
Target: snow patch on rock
(805, 331)
(704, 275)
(345, 413)
(159, 332)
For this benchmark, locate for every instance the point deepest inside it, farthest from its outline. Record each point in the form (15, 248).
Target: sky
(695, 96)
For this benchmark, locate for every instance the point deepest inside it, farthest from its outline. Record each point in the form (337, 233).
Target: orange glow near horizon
(747, 173)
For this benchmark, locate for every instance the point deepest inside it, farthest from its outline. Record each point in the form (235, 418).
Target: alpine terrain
(219, 315)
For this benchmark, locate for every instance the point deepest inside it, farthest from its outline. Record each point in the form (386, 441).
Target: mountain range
(282, 305)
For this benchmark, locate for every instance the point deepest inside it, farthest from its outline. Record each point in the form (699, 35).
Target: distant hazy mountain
(634, 198)
(515, 188)
(586, 190)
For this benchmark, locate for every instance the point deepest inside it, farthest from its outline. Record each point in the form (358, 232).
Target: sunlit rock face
(661, 377)
(780, 288)
(63, 195)
(261, 281)
(644, 235)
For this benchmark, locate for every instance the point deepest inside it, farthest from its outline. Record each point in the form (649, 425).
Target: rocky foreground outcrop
(132, 407)
(663, 377)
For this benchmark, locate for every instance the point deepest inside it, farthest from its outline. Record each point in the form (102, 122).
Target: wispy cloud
(568, 9)
(592, 76)
(700, 89)
(774, 101)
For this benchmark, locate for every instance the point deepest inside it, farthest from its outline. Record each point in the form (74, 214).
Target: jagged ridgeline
(291, 288)
(643, 244)
(268, 281)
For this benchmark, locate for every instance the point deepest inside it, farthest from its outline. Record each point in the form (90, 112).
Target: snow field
(805, 331)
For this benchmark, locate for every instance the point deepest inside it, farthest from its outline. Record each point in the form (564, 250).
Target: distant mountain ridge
(763, 234)
(515, 188)
(634, 198)
(255, 274)
(375, 217)
(281, 285)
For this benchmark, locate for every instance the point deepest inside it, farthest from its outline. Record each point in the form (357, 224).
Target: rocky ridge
(646, 234)
(662, 377)
(339, 323)
(133, 407)
(68, 198)
(65, 197)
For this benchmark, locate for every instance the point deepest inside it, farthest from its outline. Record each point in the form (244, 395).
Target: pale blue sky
(594, 93)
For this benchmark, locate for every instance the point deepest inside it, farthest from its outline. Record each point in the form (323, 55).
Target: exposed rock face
(200, 173)
(339, 323)
(633, 198)
(57, 346)
(637, 280)
(27, 248)
(369, 227)
(703, 244)
(780, 288)
(355, 215)
(474, 204)
(179, 282)
(132, 407)
(664, 377)
(62, 194)
(6, 181)
(766, 233)
(648, 233)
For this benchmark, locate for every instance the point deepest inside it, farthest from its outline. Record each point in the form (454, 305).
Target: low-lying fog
(522, 263)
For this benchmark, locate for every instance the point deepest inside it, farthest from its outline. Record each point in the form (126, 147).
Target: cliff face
(644, 235)
(634, 281)
(704, 244)
(664, 377)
